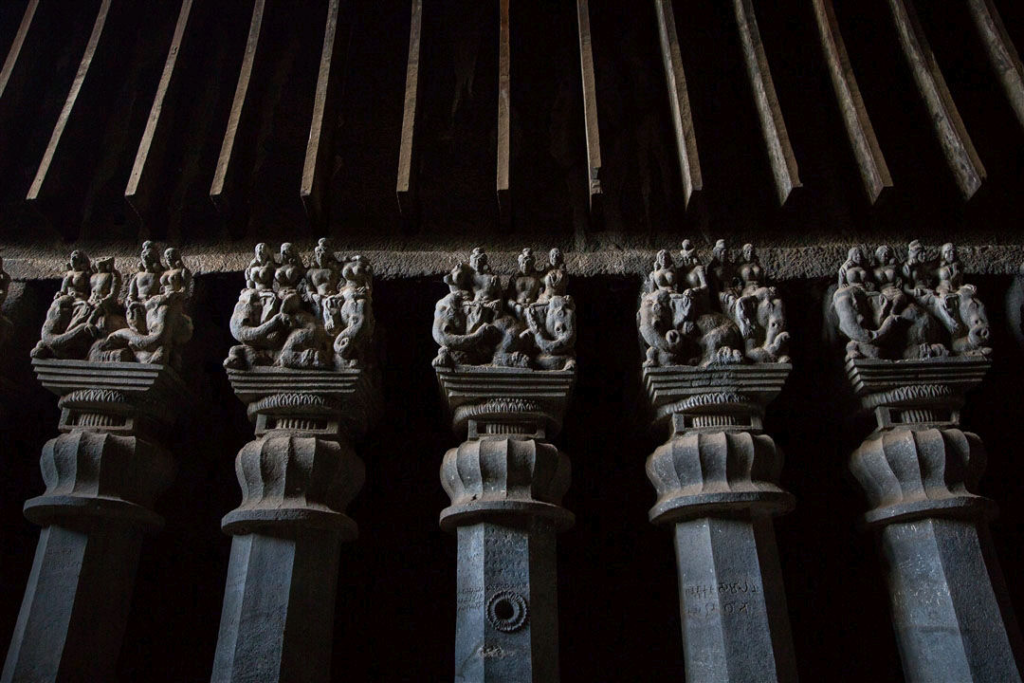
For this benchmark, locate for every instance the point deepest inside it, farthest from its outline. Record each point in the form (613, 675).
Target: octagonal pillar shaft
(732, 601)
(507, 618)
(506, 488)
(277, 621)
(102, 475)
(717, 489)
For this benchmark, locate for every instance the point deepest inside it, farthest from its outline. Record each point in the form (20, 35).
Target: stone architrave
(716, 339)
(305, 369)
(918, 343)
(119, 394)
(506, 368)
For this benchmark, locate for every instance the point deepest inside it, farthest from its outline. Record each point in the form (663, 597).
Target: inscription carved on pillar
(113, 365)
(918, 342)
(716, 342)
(506, 367)
(306, 371)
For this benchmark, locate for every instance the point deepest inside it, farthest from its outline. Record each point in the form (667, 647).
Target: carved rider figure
(524, 286)
(146, 282)
(555, 279)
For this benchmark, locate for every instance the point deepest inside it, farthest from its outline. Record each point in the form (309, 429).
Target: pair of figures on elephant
(288, 316)
(531, 325)
(918, 308)
(725, 314)
(86, 320)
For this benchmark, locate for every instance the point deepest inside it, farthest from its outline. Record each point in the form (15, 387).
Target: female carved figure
(555, 277)
(664, 276)
(524, 287)
(259, 274)
(325, 274)
(951, 279)
(146, 282)
(105, 285)
(358, 276)
(750, 272)
(890, 280)
(289, 276)
(76, 279)
(177, 277)
(853, 271)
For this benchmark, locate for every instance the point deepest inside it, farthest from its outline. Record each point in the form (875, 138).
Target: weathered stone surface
(102, 475)
(88, 321)
(306, 371)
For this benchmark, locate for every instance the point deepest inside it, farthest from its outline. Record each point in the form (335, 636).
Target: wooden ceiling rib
(785, 172)
(956, 144)
(277, 92)
(874, 172)
(679, 101)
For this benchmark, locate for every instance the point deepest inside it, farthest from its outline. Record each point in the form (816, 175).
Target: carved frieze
(292, 317)
(89, 321)
(896, 309)
(528, 323)
(721, 314)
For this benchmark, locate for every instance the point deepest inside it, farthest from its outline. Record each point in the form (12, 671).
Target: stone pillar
(296, 478)
(102, 474)
(506, 482)
(949, 602)
(305, 368)
(716, 479)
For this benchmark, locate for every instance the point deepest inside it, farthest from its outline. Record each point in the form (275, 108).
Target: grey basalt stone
(715, 342)
(305, 369)
(119, 394)
(102, 474)
(917, 346)
(506, 369)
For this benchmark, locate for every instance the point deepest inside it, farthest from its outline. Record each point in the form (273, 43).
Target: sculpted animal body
(59, 337)
(450, 332)
(351, 320)
(156, 331)
(555, 336)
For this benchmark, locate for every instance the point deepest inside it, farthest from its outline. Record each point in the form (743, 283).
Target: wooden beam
(217, 188)
(69, 104)
(132, 191)
(405, 189)
(1001, 53)
(956, 144)
(679, 101)
(874, 172)
(780, 153)
(589, 102)
(19, 41)
(504, 117)
(319, 147)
